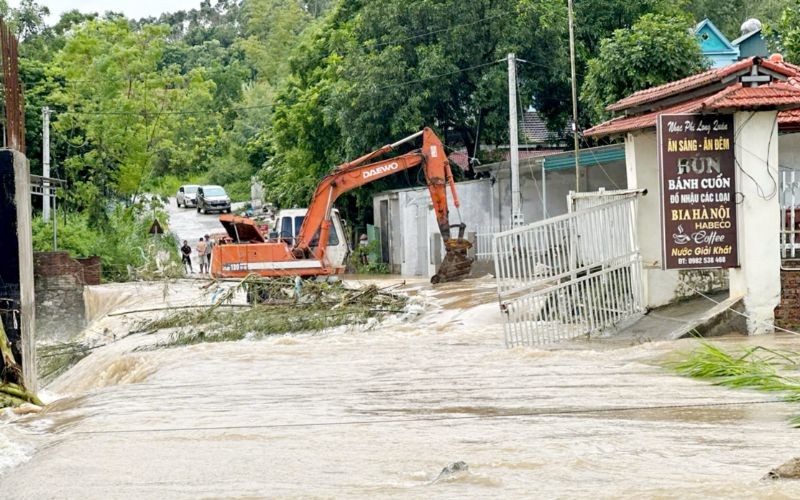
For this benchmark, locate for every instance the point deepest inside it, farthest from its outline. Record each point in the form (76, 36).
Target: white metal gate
(790, 218)
(576, 274)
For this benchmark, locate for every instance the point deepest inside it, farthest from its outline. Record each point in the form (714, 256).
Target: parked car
(212, 198)
(187, 196)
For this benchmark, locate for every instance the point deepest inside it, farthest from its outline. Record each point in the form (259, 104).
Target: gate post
(16, 258)
(758, 279)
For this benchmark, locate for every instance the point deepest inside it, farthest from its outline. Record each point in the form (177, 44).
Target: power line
(379, 421)
(409, 82)
(442, 30)
(159, 113)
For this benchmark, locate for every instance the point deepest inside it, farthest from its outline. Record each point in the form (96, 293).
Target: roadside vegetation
(364, 259)
(285, 89)
(756, 368)
(128, 250)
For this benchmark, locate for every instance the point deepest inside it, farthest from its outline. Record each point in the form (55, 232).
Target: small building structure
(722, 52)
(761, 96)
(410, 237)
(715, 45)
(751, 43)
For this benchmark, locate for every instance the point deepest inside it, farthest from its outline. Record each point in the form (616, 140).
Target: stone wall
(691, 281)
(787, 314)
(59, 282)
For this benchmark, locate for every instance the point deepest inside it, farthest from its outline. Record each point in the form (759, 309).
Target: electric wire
(442, 30)
(748, 317)
(442, 418)
(441, 75)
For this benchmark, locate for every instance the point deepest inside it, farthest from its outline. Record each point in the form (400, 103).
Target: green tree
(655, 50)
(126, 116)
(785, 34)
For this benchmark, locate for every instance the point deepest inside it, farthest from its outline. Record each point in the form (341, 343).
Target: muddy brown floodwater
(378, 411)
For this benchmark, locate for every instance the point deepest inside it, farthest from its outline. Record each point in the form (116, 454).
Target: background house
(406, 224)
(722, 52)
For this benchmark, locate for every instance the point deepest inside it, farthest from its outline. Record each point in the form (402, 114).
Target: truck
(306, 252)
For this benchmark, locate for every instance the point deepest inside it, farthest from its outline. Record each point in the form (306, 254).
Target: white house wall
(789, 150)
(558, 183)
(412, 223)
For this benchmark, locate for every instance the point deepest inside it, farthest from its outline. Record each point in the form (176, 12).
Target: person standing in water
(201, 254)
(186, 250)
(209, 247)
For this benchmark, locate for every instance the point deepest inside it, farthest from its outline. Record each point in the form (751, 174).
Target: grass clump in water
(55, 359)
(757, 368)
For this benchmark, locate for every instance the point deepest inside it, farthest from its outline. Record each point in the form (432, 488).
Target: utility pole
(516, 199)
(574, 99)
(46, 162)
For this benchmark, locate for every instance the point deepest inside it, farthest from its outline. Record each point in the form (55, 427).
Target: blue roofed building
(715, 46)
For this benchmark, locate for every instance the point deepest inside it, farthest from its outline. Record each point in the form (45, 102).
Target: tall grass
(122, 241)
(757, 368)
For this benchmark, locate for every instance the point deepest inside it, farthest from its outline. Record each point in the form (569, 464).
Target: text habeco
(380, 170)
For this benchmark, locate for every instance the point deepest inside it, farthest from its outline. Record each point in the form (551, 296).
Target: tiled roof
(735, 97)
(789, 121)
(625, 124)
(532, 153)
(679, 86)
(460, 158)
(534, 129)
(777, 94)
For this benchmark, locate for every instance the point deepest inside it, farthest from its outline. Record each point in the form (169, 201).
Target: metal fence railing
(483, 240)
(571, 275)
(790, 218)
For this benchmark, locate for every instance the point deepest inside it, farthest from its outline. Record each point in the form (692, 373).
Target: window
(333, 238)
(286, 227)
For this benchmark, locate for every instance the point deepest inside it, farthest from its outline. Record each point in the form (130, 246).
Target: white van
(289, 221)
(187, 196)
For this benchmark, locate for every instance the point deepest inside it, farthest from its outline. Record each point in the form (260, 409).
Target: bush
(362, 259)
(125, 248)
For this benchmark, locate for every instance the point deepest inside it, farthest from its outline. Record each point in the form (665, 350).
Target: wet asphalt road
(190, 225)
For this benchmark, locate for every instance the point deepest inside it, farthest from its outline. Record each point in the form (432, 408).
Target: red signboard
(698, 191)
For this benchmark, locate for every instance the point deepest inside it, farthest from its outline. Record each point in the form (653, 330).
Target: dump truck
(306, 254)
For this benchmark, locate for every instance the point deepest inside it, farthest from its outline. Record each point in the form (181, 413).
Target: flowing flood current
(379, 410)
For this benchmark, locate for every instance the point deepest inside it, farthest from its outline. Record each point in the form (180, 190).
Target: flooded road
(190, 225)
(378, 411)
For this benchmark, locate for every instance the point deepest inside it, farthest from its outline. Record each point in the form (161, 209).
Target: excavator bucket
(455, 265)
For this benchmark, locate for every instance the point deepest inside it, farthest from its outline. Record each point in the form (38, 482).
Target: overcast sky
(131, 8)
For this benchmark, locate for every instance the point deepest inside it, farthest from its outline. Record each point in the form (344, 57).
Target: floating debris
(454, 469)
(277, 306)
(789, 470)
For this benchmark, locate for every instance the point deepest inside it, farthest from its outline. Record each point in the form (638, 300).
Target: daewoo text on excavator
(304, 255)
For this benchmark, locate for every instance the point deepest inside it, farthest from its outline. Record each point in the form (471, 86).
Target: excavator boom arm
(356, 173)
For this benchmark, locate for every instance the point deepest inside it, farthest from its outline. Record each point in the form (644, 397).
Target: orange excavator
(249, 252)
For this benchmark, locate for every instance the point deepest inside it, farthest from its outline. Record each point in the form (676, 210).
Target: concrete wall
(557, 184)
(415, 247)
(60, 281)
(789, 150)
(641, 159)
(758, 277)
(661, 287)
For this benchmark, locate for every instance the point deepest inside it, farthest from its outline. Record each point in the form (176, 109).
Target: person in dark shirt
(186, 250)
